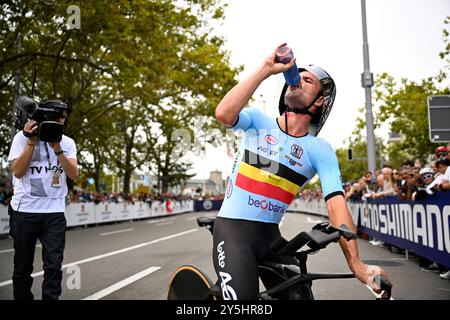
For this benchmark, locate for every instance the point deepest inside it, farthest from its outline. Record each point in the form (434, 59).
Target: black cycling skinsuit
(239, 246)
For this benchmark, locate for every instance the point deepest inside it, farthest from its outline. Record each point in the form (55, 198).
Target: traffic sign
(439, 118)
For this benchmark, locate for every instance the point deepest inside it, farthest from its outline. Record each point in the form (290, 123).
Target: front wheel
(189, 283)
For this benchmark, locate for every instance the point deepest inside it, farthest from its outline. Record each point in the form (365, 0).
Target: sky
(404, 36)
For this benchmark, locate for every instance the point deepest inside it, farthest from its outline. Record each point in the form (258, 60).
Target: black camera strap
(48, 157)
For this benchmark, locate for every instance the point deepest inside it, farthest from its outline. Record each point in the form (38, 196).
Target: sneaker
(431, 268)
(380, 244)
(445, 275)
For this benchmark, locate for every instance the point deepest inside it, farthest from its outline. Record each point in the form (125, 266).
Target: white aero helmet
(328, 91)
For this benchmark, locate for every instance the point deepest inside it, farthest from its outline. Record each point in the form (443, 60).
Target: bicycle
(286, 279)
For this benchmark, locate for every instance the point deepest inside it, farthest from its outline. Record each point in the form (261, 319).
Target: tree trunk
(97, 179)
(126, 181)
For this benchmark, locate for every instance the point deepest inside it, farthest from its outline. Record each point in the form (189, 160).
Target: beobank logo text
(265, 205)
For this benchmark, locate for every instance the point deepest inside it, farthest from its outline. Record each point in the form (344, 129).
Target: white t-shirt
(447, 174)
(436, 181)
(34, 191)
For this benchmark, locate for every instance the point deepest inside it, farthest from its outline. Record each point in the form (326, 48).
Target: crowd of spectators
(6, 190)
(85, 195)
(411, 181)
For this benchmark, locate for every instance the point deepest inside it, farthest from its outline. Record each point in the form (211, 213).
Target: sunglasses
(427, 176)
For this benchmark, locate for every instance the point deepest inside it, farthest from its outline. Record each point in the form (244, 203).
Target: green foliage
(141, 62)
(403, 106)
(354, 169)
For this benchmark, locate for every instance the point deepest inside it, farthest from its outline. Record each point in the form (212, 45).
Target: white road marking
(109, 254)
(117, 231)
(159, 220)
(164, 223)
(119, 285)
(12, 250)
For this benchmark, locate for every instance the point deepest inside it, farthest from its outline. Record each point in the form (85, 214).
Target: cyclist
(269, 170)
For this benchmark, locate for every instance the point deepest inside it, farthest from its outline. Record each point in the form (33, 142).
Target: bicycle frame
(288, 281)
(287, 278)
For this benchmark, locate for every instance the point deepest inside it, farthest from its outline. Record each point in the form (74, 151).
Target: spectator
(85, 196)
(443, 165)
(441, 152)
(355, 192)
(402, 186)
(426, 178)
(408, 164)
(418, 164)
(412, 183)
(371, 181)
(433, 166)
(388, 183)
(379, 191)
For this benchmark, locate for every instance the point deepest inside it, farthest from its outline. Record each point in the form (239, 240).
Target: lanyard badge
(56, 173)
(56, 181)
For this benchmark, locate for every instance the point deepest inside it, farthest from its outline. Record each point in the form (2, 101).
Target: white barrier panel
(187, 206)
(319, 207)
(354, 208)
(4, 219)
(309, 206)
(141, 210)
(104, 212)
(78, 214)
(172, 207)
(176, 207)
(123, 211)
(158, 209)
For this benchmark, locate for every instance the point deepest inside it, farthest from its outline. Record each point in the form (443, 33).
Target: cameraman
(37, 207)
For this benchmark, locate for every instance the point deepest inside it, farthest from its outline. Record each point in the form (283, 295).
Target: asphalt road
(135, 260)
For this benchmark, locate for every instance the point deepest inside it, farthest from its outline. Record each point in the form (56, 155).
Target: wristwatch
(59, 152)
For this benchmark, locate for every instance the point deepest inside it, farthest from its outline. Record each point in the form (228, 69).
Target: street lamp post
(367, 83)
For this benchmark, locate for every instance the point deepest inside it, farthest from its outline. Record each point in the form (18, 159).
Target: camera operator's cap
(328, 91)
(56, 105)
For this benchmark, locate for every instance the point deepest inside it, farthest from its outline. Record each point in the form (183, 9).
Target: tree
(354, 169)
(161, 55)
(403, 106)
(127, 148)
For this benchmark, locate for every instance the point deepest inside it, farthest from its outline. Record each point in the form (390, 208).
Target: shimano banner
(420, 226)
